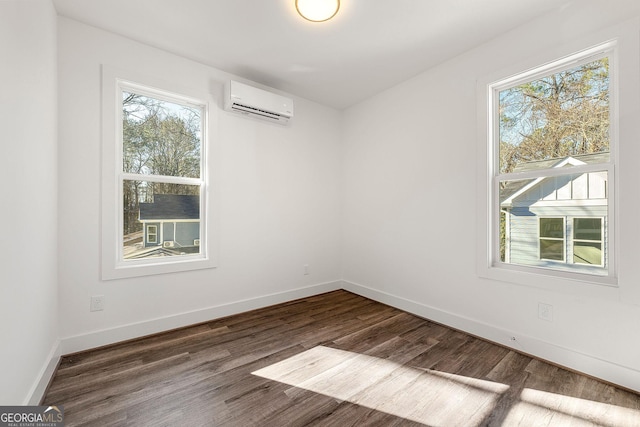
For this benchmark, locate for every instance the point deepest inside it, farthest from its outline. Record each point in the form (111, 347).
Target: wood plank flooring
(335, 359)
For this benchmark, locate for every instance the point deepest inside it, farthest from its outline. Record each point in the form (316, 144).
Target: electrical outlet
(545, 312)
(306, 269)
(97, 303)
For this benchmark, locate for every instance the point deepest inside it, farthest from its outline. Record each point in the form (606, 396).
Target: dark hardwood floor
(335, 359)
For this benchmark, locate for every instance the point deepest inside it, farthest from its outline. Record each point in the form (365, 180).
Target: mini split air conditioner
(258, 103)
(167, 244)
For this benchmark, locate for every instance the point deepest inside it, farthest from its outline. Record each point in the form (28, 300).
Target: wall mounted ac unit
(167, 244)
(258, 103)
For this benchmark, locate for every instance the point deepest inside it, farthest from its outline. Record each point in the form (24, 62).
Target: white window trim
(113, 266)
(486, 243)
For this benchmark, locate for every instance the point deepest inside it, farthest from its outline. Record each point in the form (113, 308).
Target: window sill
(126, 270)
(567, 282)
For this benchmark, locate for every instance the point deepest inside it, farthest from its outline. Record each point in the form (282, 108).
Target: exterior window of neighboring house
(152, 233)
(552, 246)
(552, 167)
(587, 241)
(155, 152)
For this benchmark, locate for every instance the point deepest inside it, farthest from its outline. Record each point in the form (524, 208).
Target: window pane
(587, 253)
(152, 234)
(552, 249)
(535, 215)
(171, 213)
(160, 137)
(552, 227)
(562, 114)
(587, 229)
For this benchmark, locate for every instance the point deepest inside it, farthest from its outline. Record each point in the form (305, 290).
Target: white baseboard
(104, 337)
(44, 376)
(599, 368)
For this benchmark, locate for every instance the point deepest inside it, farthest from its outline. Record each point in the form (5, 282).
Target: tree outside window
(161, 155)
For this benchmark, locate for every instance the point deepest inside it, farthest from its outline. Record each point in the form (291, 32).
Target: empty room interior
(398, 213)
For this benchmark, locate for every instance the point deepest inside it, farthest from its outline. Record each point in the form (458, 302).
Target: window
(152, 233)
(552, 239)
(585, 244)
(156, 213)
(587, 241)
(551, 168)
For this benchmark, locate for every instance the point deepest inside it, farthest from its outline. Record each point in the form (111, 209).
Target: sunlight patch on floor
(536, 406)
(421, 395)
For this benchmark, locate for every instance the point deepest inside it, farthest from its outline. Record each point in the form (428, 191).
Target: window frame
(489, 264)
(113, 265)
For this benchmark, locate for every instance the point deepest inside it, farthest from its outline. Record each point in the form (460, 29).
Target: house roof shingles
(171, 206)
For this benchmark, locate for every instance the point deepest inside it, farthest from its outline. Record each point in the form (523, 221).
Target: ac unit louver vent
(249, 109)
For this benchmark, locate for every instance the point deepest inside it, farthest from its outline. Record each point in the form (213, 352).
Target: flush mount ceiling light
(317, 10)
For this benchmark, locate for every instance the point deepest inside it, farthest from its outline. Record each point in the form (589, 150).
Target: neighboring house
(171, 221)
(558, 222)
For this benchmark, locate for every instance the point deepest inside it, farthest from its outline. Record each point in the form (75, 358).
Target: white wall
(278, 197)
(28, 301)
(410, 206)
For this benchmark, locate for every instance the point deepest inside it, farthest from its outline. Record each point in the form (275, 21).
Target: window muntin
(161, 175)
(533, 151)
(551, 231)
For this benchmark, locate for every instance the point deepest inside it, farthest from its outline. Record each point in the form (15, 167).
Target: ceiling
(369, 46)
